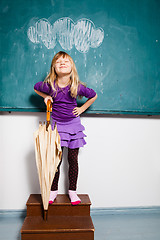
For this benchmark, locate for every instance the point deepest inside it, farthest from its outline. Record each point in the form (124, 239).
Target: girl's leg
(73, 175)
(54, 187)
(73, 168)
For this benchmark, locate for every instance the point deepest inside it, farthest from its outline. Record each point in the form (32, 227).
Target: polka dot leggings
(73, 170)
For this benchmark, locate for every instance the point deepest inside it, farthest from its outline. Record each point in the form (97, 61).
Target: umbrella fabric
(48, 156)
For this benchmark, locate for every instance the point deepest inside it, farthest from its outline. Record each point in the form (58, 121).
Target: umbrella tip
(45, 215)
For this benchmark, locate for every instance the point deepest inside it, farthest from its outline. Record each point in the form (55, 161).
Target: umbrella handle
(49, 110)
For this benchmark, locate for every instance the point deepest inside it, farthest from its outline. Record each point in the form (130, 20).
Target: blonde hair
(74, 79)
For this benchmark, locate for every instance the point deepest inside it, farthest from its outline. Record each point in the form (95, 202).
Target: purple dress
(69, 126)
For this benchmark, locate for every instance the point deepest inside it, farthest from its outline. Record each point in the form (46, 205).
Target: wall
(119, 166)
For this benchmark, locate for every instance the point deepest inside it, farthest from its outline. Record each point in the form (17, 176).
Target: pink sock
(75, 200)
(53, 195)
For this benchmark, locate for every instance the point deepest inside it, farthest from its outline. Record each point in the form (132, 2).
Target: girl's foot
(75, 200)
(53, 195)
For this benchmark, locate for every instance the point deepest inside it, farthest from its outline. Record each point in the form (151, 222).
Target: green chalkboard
(114, 43)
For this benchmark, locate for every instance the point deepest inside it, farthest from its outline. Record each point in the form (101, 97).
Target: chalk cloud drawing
(83, 34)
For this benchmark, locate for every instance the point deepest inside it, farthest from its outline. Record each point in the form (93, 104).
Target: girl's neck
(63, 81)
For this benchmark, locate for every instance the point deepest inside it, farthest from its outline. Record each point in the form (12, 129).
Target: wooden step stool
(64, 222)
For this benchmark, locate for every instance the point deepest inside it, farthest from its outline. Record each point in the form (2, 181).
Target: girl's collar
(56, 85)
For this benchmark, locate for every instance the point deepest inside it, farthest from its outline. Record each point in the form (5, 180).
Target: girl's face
(63, 66)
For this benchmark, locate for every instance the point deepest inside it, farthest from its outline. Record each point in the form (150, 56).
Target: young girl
(62, 86)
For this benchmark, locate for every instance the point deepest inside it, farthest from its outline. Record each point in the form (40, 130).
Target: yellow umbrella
(48, 156)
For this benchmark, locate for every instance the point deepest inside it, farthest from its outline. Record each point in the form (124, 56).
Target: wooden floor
(145, 226)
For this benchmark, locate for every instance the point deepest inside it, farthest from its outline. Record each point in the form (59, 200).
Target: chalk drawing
(85, 60)
(83, 34)
(52, 2)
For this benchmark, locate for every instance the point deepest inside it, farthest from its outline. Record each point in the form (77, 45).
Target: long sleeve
(43, 87)
(86, 92)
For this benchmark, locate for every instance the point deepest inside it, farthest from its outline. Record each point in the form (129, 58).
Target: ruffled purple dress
(69, 126)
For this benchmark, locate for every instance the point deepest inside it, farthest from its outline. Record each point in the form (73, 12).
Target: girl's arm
(78, 110)
(45, 96)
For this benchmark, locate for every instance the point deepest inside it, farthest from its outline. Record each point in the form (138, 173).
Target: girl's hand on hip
(77, 111)
(48, 98)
